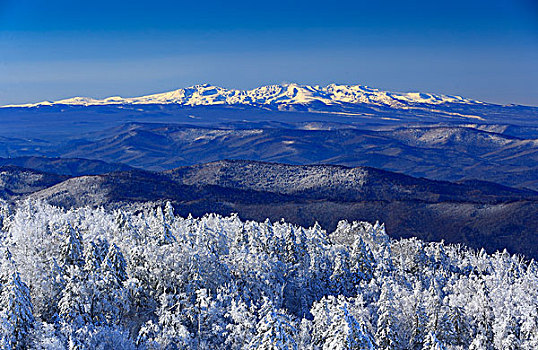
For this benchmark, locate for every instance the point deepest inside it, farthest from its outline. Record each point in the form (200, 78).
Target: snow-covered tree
(242, 326)
(74, 305)
(275, 331)
(16, 310)
(139, 276)
(432, 343)
(336, 328)
(387, 335)
(362, 260)
(71, 248)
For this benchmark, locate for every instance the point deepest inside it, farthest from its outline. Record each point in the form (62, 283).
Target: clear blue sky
(52, 49)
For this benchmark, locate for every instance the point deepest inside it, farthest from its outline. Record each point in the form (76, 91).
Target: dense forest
(144, 278)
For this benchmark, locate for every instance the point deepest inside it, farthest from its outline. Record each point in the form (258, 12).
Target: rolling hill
(479, 214)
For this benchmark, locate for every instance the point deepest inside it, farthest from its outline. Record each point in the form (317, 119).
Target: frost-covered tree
(114, 264)
(432, 343)
(74, 305)
(142, 277)
(275, 331)
(56, 282)
(336, 328)
(456, 331)
(387, 335)
(16, 310)
(242, 325)
(419, 320)
(170, 330)
(162, 226)
(94, 254)
(343, 280)
(362, 260)
(483, 318)
(71, 249)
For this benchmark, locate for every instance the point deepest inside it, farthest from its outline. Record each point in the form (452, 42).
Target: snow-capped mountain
(279, 95)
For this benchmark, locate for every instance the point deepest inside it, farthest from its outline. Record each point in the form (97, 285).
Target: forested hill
(478, 214)
(148, 279)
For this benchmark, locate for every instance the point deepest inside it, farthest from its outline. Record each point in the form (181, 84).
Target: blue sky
(481, 49)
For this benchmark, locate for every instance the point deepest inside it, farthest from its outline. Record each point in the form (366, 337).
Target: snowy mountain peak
(283, 94)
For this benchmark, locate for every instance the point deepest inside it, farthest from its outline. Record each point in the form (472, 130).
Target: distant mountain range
(279, 95)
(354, 102)
(479, 214)
(440, 152)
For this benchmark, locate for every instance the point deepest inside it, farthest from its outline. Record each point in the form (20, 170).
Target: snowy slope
(279, 95)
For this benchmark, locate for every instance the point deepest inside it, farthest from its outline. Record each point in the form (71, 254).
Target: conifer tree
(164, 231)
(457, 328)
(71, 247)
(114, 263)
(335, 328)
(242, 327)
(387, 325)
(432, 343)
(529, 330)
(110, 300)
(75, 301)
(16, 310)
(94, 254)
(362, 260)
(484, 318)
(275, 331)
(57, 284)
(420, 320)
(170, 332)
(343, 281)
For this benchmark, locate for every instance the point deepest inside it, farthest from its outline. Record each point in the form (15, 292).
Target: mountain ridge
(292, 179)
(439, 153)
(283, 94)
(475, 213)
